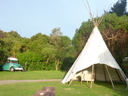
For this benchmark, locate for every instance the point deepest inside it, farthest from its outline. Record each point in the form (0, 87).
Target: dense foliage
(58, 52)
(120, 8)
(40, 52)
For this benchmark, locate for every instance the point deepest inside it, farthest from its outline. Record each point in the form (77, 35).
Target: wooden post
(95, 71)
(92, 77)
(110, 77)
(71, 81)
(104, 72)
(118, 75)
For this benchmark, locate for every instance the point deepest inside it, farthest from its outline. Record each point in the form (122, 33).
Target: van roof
(12, 58)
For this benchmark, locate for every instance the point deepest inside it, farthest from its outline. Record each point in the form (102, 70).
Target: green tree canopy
(37, 42)
(12, 42)
(119, 8)
(81, 36)
(2, 34)
(3, 52)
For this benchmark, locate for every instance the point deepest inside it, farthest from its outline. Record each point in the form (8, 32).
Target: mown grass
(31, 75)
(75, 89)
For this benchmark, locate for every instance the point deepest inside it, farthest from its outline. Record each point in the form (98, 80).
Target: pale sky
(29, 17)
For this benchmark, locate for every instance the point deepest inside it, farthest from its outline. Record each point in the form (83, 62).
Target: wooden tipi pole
(110, 77)
(92, 76)
(71, 80)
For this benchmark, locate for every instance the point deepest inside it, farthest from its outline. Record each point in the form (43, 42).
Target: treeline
(58, 52)
(41, 52)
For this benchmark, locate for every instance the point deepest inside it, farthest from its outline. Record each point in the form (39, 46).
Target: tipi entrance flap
(84, 75)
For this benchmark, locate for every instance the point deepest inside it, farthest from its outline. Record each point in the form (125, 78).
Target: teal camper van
(11, 65)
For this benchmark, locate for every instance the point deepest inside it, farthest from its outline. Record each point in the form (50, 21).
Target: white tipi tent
(95, 62)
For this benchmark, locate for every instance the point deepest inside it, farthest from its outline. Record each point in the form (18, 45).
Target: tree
(34, 60)
(55, 39)
(38, 42)
(3, 52)
(12, 42)
(115, 35)
(62, 46)
(82, 35)
(13, 34)
(25, 43)
(49, 55)
(119, 8)
(2, 34)
(67, 54)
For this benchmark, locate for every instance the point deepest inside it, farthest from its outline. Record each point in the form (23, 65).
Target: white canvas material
(96, 53)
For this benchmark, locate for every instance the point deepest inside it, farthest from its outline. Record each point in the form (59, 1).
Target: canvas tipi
(95, 62)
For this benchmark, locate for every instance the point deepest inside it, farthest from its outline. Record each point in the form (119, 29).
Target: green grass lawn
(31, 75)
(75, 89)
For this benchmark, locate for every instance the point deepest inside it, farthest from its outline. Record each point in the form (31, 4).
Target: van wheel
(12, 69)
(22, 70)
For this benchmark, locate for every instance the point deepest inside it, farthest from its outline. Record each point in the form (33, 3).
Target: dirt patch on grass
(17, 81)
(67, 89)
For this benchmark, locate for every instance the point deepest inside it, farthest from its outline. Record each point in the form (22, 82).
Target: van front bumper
(19, 69)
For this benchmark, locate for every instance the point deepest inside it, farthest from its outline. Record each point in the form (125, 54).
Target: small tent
(95, 62)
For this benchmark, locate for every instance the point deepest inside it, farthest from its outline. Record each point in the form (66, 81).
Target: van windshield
(12, 61)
